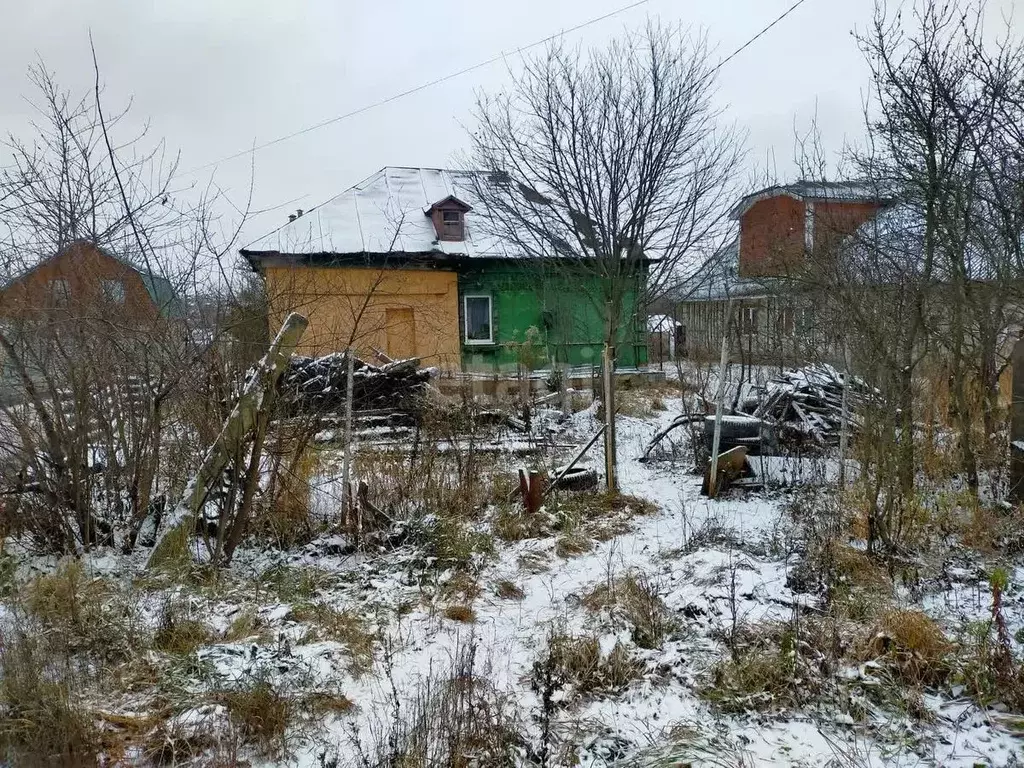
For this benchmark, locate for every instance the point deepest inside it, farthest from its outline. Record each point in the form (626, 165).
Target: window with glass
(748, 321)
(479, 328)
(451, 225)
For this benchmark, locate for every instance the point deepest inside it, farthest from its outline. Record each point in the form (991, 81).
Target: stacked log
(807, 405)
(319, 384)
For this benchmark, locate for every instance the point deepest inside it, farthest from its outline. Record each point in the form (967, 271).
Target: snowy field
(715, 564)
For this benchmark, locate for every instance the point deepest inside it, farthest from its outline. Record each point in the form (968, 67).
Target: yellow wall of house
(392, 310)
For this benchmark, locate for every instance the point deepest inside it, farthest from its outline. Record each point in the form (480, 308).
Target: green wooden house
(503, 299)
(453, 295)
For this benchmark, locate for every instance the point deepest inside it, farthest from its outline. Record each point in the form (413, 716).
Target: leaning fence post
(179, 525)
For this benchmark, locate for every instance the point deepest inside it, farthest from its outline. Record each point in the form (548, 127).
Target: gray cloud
(215, 77)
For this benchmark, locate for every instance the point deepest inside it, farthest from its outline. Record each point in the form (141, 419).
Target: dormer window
(451, 225)
(449, 219)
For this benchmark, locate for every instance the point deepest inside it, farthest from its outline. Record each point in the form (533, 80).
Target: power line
(759, 35)
(416, 89)
(781, 17)
(473, 68)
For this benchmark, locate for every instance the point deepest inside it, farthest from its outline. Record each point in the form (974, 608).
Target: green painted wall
(562, 304)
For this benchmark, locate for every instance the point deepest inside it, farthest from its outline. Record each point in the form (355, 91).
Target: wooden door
(401, 329)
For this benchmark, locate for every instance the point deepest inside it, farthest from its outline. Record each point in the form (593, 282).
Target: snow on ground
(699, 552)
(692, 547)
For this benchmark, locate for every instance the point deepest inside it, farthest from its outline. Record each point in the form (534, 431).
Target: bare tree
(612, 164)
(96, 389)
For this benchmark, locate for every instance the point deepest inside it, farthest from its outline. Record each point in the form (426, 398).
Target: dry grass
(345, 627)
(512, 523)
(461, 613)
(573, 544)
(42, 722)
(858, 586)
(635, 599)
(775, 666)
(508, 590)
(262, 713)
(461, 586)
(456, 719)
(82, 614)
(912, 645)
(289, 584)
(286, 520)
(247, 625)
(577, 661)
(179, 633)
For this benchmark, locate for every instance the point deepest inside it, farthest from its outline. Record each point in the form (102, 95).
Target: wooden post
(611, 473)
(844, 425)
(180, 524)
(716, 440)
(346, 472)
(1017, 425)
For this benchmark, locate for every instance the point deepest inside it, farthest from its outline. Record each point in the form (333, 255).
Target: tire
(576, 479)
(734, 427)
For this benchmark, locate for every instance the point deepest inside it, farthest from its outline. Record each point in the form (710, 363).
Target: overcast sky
(216, 76)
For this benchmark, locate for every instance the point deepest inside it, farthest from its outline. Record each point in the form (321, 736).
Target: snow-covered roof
(660, 323)
(845, 191)
(386, 213)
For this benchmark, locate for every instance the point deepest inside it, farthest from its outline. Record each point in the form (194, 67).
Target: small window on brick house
(113, 291)
(60, 291)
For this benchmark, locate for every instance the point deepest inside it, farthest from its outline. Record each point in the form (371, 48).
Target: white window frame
(465, 319)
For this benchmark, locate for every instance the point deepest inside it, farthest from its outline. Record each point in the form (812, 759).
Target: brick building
(777, 230)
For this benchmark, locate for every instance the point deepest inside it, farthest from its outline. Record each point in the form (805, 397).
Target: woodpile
(806, 405)
(319, 384)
